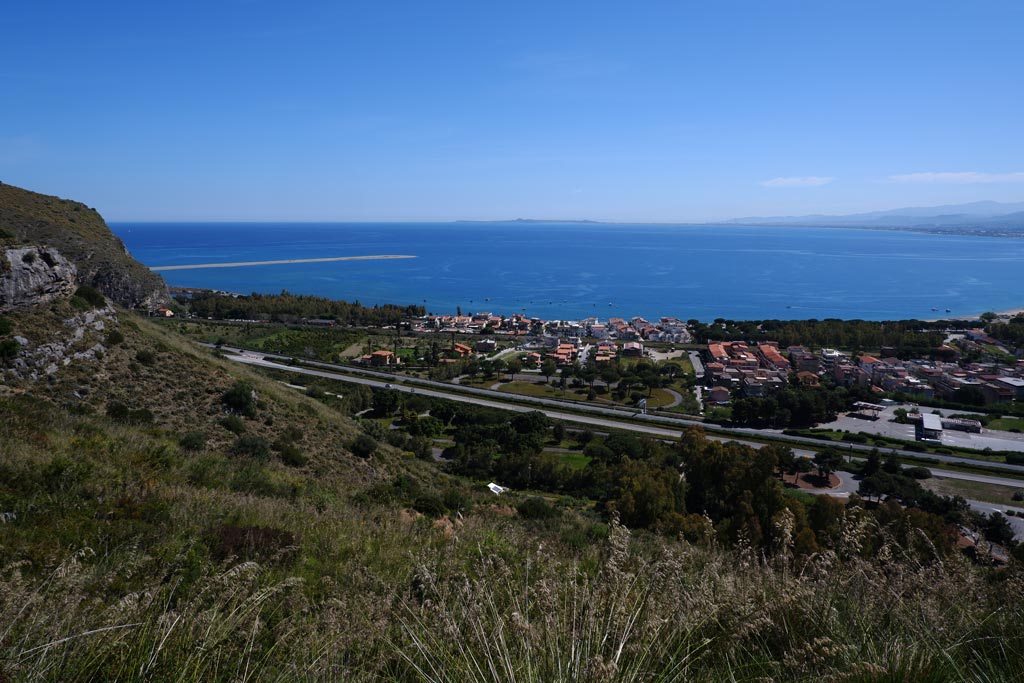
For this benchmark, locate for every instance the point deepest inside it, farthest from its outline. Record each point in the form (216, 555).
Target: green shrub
(6, 326)
(193, 441)
(292, 456)
(918, 472)
(117, 411)
(114, 337)
(363, 446)
(87, 293)
(248, 542)
(536, 508)
(252, 446)
(240, 399)
(145, 356)
(455, 500)
(429, 504)
(233, 424)
(9, 349)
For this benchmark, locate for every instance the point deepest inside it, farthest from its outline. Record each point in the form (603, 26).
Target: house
(383, 358)
(633, 349)
(486, 346)
(808, 379)
(719, 395)
(461, 350)
(163, 312)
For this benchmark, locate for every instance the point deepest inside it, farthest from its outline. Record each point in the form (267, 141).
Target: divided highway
(600, 417)
(450, 391)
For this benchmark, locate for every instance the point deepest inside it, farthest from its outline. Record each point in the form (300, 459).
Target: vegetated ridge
(80, 235)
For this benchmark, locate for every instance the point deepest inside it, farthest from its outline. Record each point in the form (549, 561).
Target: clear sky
(645, 111)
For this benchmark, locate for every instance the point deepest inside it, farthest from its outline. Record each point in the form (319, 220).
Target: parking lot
(884, 426)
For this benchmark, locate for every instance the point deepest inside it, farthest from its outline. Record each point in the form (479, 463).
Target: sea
(577, 270)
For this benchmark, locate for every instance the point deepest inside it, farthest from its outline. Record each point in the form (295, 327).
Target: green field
(576, 461)
(989, 493)
(1007, 424)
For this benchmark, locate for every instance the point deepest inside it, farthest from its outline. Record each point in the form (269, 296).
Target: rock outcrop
(33, 276)
(82, 236)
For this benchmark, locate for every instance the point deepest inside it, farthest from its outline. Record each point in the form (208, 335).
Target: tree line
(289, 308)
(909, 338)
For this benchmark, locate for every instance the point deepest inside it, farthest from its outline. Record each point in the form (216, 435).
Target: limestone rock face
(33, 276)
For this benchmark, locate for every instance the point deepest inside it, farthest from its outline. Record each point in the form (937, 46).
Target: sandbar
(242, 264)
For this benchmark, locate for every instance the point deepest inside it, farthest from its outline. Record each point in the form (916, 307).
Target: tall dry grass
(459, 613)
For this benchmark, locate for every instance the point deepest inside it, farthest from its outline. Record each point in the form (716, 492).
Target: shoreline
(244, 264)
(1009, 313)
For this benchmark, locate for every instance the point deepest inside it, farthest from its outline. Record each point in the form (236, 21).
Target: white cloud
(799, 181)
(961, 178)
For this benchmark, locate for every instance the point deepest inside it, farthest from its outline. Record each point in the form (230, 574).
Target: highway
(412, 386)
(499, 399)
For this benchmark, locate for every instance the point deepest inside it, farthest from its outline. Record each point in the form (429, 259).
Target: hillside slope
(80, 234)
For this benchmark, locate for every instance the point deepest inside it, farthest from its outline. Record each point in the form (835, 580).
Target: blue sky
(652, 111)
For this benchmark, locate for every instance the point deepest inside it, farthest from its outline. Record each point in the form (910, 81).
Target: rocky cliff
(32, 276)
(80, 234)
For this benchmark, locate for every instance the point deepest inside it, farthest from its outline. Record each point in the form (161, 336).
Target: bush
(1018, 495)
(90, 295)
(240, 399)
(122, 413)
(918, 472)
(9, 349)
(233, 424)
(364, 446)
(292, 456)
(114, 337)
(117, 411)
(252, 446)
(455, 500)
(536, 508)
(396, 438)
(429, 504)
(6, 326)
(146, 357)
(247, 542)
(193, 441)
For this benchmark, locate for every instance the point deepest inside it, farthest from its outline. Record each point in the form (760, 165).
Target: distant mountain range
(985, 217)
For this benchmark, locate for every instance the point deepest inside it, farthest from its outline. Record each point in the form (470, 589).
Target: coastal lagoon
(575, 270)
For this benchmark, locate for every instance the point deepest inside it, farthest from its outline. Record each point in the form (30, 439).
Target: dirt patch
(811, 481)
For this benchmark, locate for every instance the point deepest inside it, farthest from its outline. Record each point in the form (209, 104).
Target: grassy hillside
(147, 535)
(81, 235)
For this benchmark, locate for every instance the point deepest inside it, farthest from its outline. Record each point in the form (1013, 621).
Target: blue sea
(573, 270)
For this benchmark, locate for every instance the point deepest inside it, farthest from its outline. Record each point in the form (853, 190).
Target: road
(847, 486)
(602, 422)
(344, 372)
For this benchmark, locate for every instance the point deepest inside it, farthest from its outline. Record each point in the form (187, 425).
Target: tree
(872, 464)
(386, 402)
(827, 461)
(548, 368)
(997, 529)
(513, 366)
